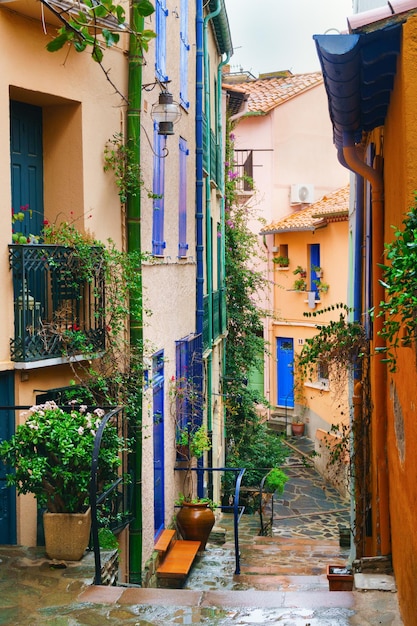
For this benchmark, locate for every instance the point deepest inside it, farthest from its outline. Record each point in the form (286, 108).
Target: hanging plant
(399, 309)
(338, 344)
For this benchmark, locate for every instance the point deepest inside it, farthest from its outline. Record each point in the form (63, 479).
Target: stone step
(224, 599)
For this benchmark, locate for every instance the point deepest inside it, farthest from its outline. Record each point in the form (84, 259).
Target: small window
(323, 371)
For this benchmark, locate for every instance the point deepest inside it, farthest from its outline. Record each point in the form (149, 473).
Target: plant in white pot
(51, 454)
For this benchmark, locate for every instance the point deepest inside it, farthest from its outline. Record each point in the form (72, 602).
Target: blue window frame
(161, 13)
(184, 52)
(314, 262)
(182, 199)
(158, 243)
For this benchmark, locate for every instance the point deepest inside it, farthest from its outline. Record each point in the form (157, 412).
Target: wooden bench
(178, 560)
(164, 541)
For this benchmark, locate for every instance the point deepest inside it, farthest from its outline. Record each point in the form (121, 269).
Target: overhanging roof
(358, 72)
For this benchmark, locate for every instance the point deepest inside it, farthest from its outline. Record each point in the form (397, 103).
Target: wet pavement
(283, 576)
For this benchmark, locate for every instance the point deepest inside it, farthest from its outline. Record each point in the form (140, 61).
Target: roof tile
(334, 206)
(268, 92)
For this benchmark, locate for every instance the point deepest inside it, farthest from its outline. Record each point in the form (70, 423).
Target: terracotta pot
(195, 522)
(340, 578)
(66, 535)
(297, 429)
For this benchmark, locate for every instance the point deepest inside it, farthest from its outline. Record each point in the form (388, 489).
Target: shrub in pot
(51, 454)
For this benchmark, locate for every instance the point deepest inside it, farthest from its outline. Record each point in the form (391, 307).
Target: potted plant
(300, 284)
(195, 519)
(340, 578)
(318, 270)
(51, 454)
(282, 261)
(301, 271)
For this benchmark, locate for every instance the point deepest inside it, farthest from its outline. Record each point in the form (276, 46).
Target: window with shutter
(184, 52)
(182, 199)
(161, 13)
(158, 243)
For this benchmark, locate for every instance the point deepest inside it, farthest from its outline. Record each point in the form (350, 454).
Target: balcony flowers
(51, 455)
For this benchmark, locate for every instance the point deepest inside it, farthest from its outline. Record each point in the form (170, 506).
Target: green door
(7, 494)
(26, 166)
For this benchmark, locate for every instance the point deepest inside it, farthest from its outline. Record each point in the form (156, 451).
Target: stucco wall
(400, 176)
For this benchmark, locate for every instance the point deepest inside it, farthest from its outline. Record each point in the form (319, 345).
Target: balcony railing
(58, 306)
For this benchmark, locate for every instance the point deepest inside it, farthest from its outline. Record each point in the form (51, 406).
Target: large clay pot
(195, 522)
(297, 429)
(66, 534)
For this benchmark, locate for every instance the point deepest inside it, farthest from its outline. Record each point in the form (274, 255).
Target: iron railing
(58, 308)
(237, 508)
(111, 508)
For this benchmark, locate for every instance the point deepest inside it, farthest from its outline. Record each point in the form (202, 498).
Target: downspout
(133, 210)
(199, 169)
(222, 218)
(381, 543)
(209, 233)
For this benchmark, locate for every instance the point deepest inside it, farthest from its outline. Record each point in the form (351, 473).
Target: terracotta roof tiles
(333, 207)
(269, 91)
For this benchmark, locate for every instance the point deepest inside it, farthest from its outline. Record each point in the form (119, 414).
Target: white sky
(272, 35)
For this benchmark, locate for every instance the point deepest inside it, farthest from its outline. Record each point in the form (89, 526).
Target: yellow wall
(290, 306)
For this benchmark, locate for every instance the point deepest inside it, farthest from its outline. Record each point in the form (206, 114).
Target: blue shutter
(314, 262)
(158, 440)
(158, 243)
(161, 13)
(182, 200)
(184, 52)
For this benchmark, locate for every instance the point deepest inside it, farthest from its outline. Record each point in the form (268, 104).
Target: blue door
(285, 372)
(158, 440)
(7, 494)
(27, 166)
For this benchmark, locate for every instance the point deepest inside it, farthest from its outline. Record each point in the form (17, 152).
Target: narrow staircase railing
(237, 508)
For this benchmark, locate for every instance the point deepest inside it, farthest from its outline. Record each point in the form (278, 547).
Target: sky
(273, 35)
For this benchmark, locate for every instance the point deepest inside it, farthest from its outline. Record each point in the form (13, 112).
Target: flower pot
(297, 429)
(195, 521)
(340, 578)
(66, 535)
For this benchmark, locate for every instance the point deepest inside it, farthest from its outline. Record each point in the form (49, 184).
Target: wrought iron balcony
(58, 305)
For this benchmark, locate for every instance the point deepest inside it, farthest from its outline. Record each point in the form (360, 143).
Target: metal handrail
(238, 509)
(94, 500)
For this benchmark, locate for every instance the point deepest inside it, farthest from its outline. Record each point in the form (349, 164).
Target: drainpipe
(209, 233)
(199, 169)
(222, 214)
(381, 543)
(133, 210)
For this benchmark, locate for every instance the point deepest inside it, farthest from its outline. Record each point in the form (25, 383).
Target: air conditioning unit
(302, 194)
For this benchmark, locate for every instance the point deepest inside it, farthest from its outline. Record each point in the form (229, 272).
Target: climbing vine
(399, 309)
(249, 443)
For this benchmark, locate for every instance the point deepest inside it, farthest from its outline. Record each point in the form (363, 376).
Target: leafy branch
(400, 282)
(339, 343)
(96, 25)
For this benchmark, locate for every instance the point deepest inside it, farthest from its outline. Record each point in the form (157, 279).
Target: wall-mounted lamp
(165, 113)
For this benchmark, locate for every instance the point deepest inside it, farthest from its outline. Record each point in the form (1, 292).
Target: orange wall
(400, 177)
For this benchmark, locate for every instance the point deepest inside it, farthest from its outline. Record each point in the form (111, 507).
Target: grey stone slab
(375, 582)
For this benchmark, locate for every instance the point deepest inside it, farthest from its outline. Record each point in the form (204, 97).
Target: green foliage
(399, 309)
(339, 343)
(182, 498)
(119, 158)
(249, 443)
(282, 261)
(51, 454)
(197, 440)
(87, 28)
(276, 480)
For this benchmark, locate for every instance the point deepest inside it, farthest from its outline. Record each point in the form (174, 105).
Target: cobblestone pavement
(282, 579)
